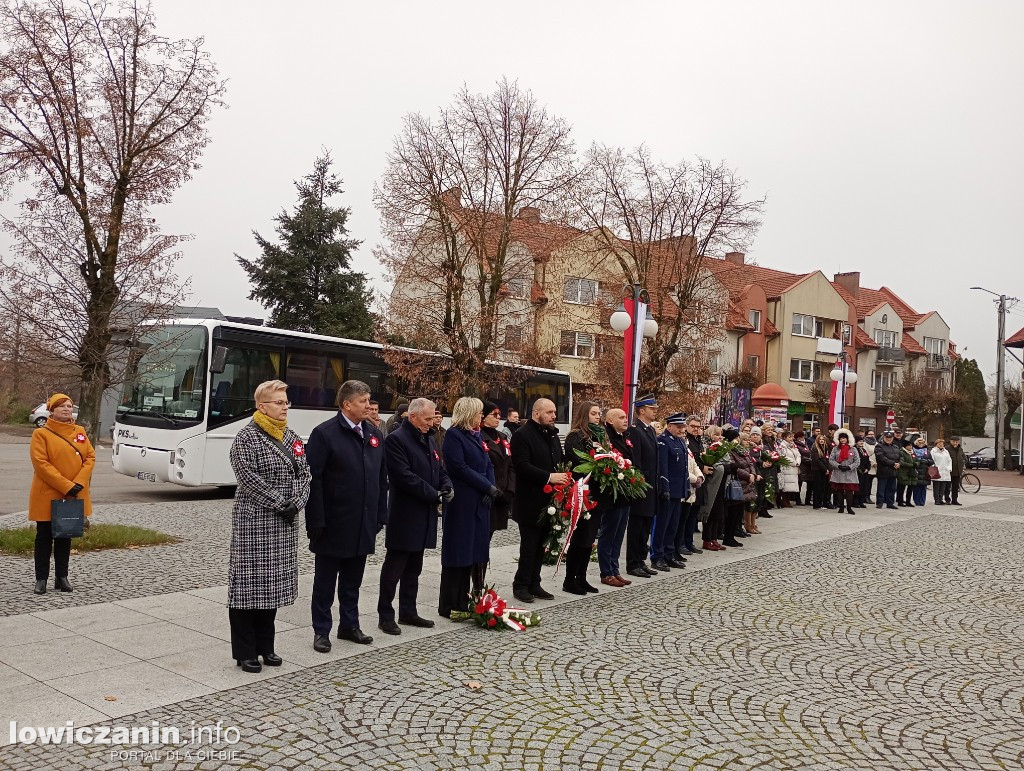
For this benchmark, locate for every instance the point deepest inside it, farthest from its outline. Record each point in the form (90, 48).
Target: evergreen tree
(306, 280)
(969, 420)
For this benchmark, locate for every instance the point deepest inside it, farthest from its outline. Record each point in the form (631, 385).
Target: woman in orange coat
(63, 459)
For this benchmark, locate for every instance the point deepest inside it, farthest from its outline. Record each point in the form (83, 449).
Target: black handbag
(67, 518)
(734, 490)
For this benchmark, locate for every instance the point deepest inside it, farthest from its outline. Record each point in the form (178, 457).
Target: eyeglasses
(279, 403)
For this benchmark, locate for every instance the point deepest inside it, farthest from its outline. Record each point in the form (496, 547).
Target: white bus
(190, 389)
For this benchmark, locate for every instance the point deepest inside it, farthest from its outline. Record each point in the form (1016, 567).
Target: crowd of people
(357, 476)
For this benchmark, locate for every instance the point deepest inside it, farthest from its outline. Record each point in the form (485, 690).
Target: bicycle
(969, 483)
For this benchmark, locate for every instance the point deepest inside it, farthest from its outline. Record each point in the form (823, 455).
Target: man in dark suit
(536, 457)
(417, 483)
(347, 508)
(642, 510)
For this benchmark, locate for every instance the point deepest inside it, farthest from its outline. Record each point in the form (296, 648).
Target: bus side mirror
(220, 360)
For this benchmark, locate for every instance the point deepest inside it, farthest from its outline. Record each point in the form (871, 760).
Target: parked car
(40, 414)
(986, 458)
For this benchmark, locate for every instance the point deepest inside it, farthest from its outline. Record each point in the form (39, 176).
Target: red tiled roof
(769, 328)
(953, 355)
(736, 320)
(908, 314)
(735, 278)
(862, 339)
(1016, 340)
(911, 346)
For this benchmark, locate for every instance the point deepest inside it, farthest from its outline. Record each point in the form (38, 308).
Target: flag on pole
(835, 401)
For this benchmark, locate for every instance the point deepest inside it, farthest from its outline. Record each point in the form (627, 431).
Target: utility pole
(1000, 371)
(1000, 376)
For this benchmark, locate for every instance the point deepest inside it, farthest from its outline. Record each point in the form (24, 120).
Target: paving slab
(159, 638)
(37, 704)
(87, 619)
(62, 657)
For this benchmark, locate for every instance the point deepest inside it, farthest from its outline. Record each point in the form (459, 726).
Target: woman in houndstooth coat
(269, 461)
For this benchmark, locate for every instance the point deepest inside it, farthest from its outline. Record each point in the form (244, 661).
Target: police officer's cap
(679, 418)
(646, 401)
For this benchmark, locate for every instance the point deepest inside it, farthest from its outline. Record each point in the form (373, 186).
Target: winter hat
(729, 433)
(56, 399)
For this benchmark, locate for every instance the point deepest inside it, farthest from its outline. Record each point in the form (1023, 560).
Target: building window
(577, 344)
(581, 291)
(714, 363)
(518, 287)
(882, 380)
(885, 338)
(847, 334)
(755, 320)
(753, 362)
(935, 346)
(807, 326)
(801, 369)
(513, 338)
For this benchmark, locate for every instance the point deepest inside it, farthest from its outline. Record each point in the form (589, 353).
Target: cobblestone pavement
(199, 561)
(894, 648)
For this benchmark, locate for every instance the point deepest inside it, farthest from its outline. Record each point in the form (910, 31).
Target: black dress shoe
(766, 515)
(522, 595)
(573, 587)
(540, 594)
(650, 573)
(731, 542)
(419, 621)
(322, 643)
(661, 565)
(743, 534)
(272, 660)
(63, 584)
(40, 587)
(389, 627)
(694, 550)
(250, 665)
(355, 635)
(638, 573)
(588, 586)
(686, 551)
(677, 563)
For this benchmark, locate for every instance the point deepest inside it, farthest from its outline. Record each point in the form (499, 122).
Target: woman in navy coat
(465, 540)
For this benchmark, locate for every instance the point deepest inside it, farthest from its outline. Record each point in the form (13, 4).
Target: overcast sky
(886, 136)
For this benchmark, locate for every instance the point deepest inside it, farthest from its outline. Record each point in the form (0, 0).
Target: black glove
(447, 495)
(288, 513)
(314, 533)
(844, 467)
(74, 491)
(665, 496)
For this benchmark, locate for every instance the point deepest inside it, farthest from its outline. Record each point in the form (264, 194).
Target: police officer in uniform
(641, 510)
(673, 487)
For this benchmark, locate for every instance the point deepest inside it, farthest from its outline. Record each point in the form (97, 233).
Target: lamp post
(635, 306)
(844, 376)
(1000, 389)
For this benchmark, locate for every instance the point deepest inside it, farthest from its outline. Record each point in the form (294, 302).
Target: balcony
(891, 356)
(937, 362)
(883, 395)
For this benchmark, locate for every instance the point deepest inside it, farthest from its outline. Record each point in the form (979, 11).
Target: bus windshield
(166, 375)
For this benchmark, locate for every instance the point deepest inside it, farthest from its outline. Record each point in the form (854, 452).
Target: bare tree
(658, 222)
(100, 113)
(43, 290)
(460, 205)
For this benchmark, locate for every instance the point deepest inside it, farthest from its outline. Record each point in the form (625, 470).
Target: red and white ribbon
(577, 507)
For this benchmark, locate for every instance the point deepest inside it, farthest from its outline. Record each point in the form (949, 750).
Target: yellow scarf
(273, 427)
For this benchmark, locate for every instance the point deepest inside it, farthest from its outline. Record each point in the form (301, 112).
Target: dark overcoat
(467, 518)
(415, 480)
(499, 449)
(263, 571)
(645, 457)
(348, 496)
(536, 454)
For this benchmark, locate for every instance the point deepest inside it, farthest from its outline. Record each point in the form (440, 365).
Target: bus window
(508, 398)
(374, 375)
(549, 388)
(305, 373)
(231, 391)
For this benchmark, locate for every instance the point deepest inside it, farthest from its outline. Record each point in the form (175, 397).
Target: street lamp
(1000, 390)
(635, 305)
(844, 376)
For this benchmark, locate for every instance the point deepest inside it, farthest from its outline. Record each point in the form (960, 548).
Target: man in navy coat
(418, 484)
(641, 510)
(347, 508)
(673, 488)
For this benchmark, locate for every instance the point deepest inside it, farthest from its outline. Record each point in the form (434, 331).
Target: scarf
(274, 428)
(490, 433)
(598, 432)
(844, 453)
